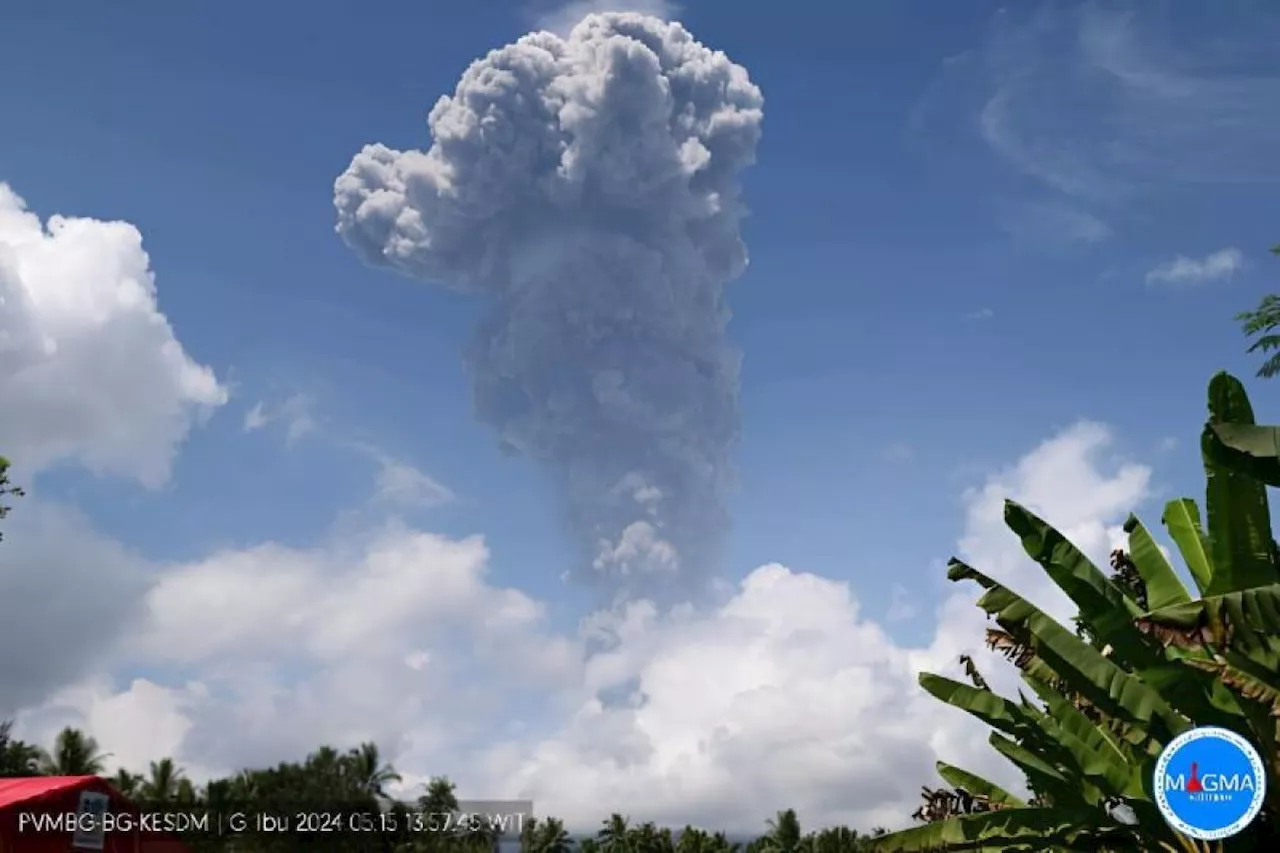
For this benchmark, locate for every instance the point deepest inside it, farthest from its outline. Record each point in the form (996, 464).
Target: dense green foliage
(355, 781)
(1261, 324)
(1145, 662)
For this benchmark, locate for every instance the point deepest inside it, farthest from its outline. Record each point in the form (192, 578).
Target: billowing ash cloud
(588, 187)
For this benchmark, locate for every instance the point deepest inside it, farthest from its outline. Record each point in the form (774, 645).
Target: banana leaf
(1246, 622)
(1239, 516)
(1163, 586)
(1039, 828)
(1109, 612)
(1247, 449)
(1105, 684)
(976, 785)
(1092, 750)
(991, 708)
(1182, 519)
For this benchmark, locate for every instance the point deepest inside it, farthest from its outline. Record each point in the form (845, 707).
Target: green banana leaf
(1247, 449)
(1095, 754)
(1244, 622)
(1109, 610)
(1108, 703)
(1039, 828)
(959, 570)
(1239, 517)
(991, 708)
(1043, 776)
(1163, 586)
(1109, 687)
(1182, 519)
(1105, 684)
(976, 785)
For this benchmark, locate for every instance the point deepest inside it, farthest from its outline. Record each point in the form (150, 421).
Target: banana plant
(1146, 662)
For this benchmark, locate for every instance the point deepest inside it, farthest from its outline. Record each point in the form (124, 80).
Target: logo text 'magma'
(1212, 782)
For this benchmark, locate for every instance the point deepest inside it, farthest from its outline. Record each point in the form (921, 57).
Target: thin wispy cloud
(397, 484)
(295, 413)
(980, 314)
(899, 452)
(1189, 272)
(1098, 103)
(1100, 107)
(402, 485)
(562, 18)
(256, 418)
(1052, 223)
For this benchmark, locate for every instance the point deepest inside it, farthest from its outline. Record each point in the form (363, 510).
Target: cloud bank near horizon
(788, 693)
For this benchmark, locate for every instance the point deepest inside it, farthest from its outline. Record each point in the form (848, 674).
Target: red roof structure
(28, 791)
(22, 798)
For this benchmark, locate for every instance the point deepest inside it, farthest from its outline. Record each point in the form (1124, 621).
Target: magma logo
(1209, 783)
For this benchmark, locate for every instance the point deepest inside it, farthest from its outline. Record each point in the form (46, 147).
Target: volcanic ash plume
(587, 186)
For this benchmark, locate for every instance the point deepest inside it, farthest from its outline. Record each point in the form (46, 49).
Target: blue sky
(964, 236)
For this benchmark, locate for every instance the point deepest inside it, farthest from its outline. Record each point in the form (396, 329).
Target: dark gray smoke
(588, 187)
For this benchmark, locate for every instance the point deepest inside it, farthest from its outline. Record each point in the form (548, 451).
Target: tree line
(356, 781)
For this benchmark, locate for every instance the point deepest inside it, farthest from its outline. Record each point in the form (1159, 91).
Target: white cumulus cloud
(785, 693)
(1216, 266)
(90, 369)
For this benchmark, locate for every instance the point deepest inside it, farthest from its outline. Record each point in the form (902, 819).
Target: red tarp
(61, 794)
(22, 791)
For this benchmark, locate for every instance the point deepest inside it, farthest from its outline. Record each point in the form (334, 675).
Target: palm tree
(720, 843)
(244, 787)
(439, 797)
(217, 795)
(372, 774)
(127, 783)
(548, 836)
(324, 760)
(784, 835)
(648, 838)
(614, 835)
(74, 754)
(555, 838)
(835, 839)
(483, 838)
(529, 832)
(17, 758)
(693, 840)
(162, 783)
